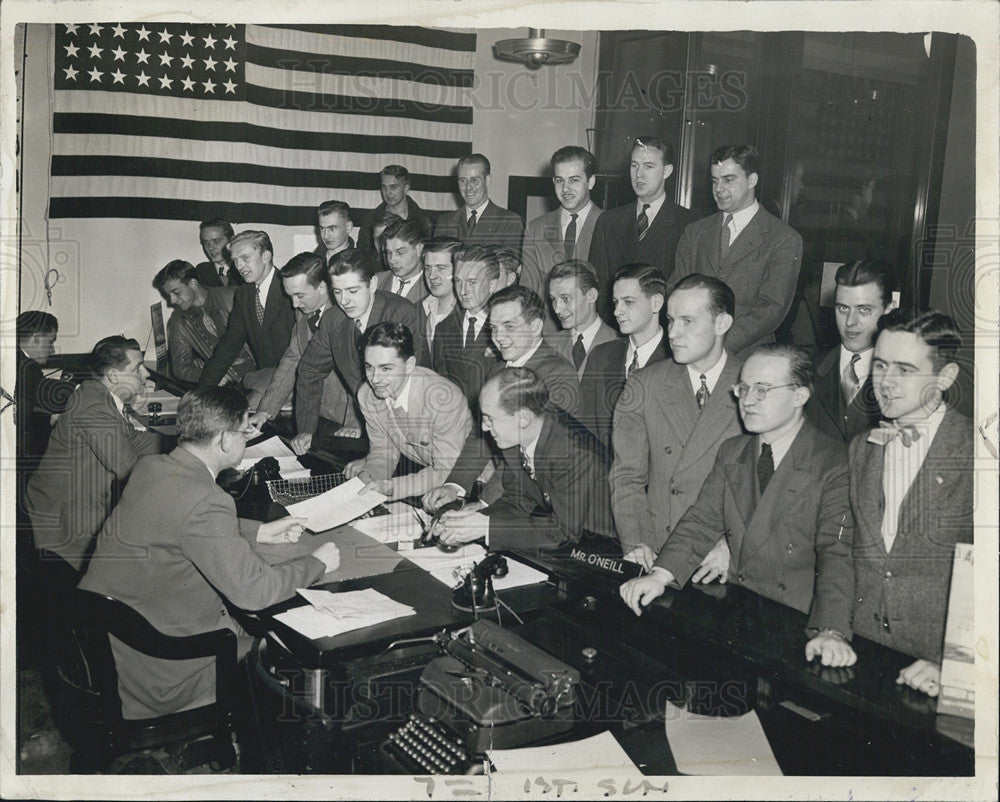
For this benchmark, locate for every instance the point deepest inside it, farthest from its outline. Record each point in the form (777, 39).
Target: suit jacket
(192, 344)
(616, 243)
(415, 293)
(498, 227)
(761, 266)
(365, 233)
(569, 493)
(91, 453)
(429, 310)
(175, 563)
(467, 366)
(602, 383)
(429, 432)
(334, 346)
(267, 342)
(826, 409)
(562, 342)
(208, 275)
(335, 403)
(793, 543)
(901, 597)
(664, 448)
(36, 399)
(543, 247)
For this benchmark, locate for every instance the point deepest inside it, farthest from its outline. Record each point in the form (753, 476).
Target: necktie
(849, 381)
(724, 240)
(472, 221)
(314, 321)
(642, 223)
(259, 307)
(470, 332)
(402, 286)
(223, 277)
(890, 430)
(579, 352)
(702, 395)
(569, 241)
(633, 365)
(208, 323)
(765, 467)
(526, 465)
(357, 332)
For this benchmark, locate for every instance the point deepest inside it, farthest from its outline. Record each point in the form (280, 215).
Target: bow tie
(889, 431)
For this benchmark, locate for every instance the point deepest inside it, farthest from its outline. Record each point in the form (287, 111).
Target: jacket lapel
(829, 393)
(715, 416)
(676, 402)
(749, 238)
(739, 475)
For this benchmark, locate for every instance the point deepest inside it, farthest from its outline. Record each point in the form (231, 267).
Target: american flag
(253, 123)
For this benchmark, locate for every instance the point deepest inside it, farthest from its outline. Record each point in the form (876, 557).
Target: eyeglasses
(759, 391)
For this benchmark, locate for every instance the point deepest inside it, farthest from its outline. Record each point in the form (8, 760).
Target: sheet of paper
(403, 524)
(452, 568)
(337, 613)
(598, 752)
(360, 555)
(337, 506)
(713, 745)
(272, 447)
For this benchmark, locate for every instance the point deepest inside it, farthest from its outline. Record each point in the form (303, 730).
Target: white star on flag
(165, 59)
(95, 75)
(210, 63)
(95, 51)
(71, 28)
(70, 73)
(187, 39)
(119, 54)
(230, 43)
(143, 34)
(119, 77)
(165, 82)
(119, 31)
(71, 50)
(187, 61)
(143, 79)
(95, 29)
(165, 37)
(209, 85)
(188, 84)
(142, 57)
(209, 41)
(230, 87)
(230, 65)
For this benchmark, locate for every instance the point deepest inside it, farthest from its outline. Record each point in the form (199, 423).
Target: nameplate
(600, 560)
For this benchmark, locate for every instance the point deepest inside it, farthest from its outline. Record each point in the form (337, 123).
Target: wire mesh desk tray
(291, 491)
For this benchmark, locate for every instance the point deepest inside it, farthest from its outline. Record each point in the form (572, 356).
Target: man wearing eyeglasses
(778, 498)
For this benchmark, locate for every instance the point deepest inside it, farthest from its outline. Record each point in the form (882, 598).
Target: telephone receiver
(264, 470)
(429, 539)
(476, 591)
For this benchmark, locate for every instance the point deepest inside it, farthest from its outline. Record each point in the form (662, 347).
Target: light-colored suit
(901, 597)
(664, 448)
(562, 342)
(430, 431)
(172, 550)
(544, 247)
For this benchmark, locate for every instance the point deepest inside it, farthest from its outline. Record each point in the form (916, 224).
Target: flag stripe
(183, 209)
(428, 37)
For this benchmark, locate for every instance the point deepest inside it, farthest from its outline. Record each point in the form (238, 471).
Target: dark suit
(498, 227)
(568, 495)
(415, 293)
(267, 342)
(192, 344)
(616, 243)
(664, 448)
(36, 399)
(793, 543)
(91, 453)
(901, 597)
(562, 341)
(761, 267)
(466, 365)
(367, 230)
(826, 408)
(208, 275)
(602, 384)
(544, 247)
(174, 563)
(334, 346)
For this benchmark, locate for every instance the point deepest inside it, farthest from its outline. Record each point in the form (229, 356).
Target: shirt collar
(528, 449)
(742, 218)
(653, 209)
(864, 366)
(521, 361)
(265, 287)
(711, 375)
(402, 401)
(780, 446)
(366, 314)
(588, 333)
(581, 216)
(645, 351)
(479, 211)
(432, 306)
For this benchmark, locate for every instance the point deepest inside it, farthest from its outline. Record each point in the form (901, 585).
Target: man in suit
(565, 233)
(463, 351)
(200, 316)
(745, 246)
(218, 271)
(305, 280)
(333, 220)
(174, 551)
(638, 295)
(572, 295)
(554, 473)
(480, 221)
(394, 185)
(262, 318)
(911, 493)
(844, 403)
(672, 418)
(404, 247)
(409, 411)
(646, 231)
(439, 275)
(93, 449)
(773, 514)
(334, 346)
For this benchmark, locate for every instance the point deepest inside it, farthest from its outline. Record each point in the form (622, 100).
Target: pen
(843, 521)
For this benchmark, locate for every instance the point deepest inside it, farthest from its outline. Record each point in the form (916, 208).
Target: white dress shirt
(711, 375)
(645, 351)
(522, 360)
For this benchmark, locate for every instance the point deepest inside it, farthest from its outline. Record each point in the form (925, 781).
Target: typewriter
(489, 689)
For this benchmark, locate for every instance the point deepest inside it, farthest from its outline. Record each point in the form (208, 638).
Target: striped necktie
(642, 223)
(258, 307)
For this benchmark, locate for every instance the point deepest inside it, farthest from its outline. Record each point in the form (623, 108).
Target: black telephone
(237, 486)
(476, 594)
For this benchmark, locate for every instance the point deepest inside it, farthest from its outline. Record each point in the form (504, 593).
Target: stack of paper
(329, 614)
(601, 752)
(403, 524)
(730, 746)
(337, 506)
(452, 568)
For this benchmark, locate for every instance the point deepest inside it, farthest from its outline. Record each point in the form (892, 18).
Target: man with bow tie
(554, 473)
(911, 493)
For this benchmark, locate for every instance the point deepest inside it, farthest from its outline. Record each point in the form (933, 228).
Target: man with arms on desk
(554, 473)
(175, 552)
(773, 513)
(409, 411)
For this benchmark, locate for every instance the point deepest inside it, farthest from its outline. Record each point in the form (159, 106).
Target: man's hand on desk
(329, 555)
(639, 592)
(923, 676)
(301, 443)
(284, 530)
(715, 565)
(462, 526)
(444, 494)
(832, 649)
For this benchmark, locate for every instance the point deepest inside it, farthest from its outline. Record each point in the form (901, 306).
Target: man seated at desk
(409, 411)
(773, 513)
(554, 472)
(174, 549)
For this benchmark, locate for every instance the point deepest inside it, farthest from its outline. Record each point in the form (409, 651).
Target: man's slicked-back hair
(258, 239)
(935, 328)
(868, 271)
(801, 370)
(177, 270)
(352, 260)
(111, 352)
(409, 231)
(571, 153)
(35, 322)
(584, 273)
(334, 207)
(665, 149)
(475, 158)
(396, 171)
(531, 305)
(484, 256)
(218, 222)
(521, 388)
(209, 411)
(389, 334)
(509, 261)
(745, 156)
(307, 264)
(651, 280)
(449, 245)
(721, 297)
